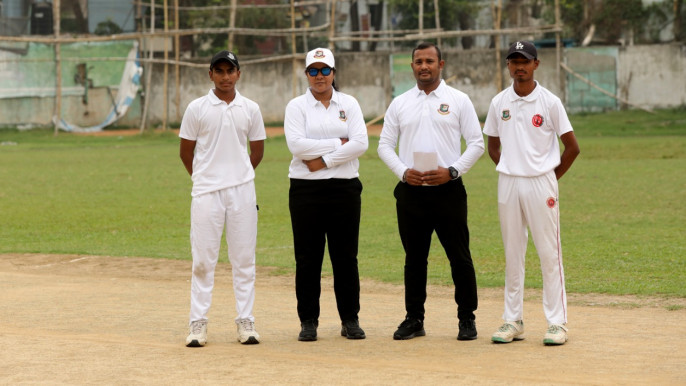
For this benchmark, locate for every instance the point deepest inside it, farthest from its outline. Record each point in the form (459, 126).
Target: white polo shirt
(428, 123)
(221, 132)
(528, 128)
(314, 131)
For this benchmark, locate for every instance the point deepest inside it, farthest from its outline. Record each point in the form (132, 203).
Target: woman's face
(320, 84)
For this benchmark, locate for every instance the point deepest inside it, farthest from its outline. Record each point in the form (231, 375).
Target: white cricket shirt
(528, 128)
(314, 131)
(221, 132)
(428, 123)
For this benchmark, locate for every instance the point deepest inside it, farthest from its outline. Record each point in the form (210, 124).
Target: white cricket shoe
(508, 332)
(246, 332)
(197, 337)
(556, 335)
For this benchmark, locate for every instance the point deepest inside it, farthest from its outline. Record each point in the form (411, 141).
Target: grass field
(622, 204)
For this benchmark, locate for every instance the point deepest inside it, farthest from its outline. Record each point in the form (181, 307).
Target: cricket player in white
(216, 131)
(523, 124)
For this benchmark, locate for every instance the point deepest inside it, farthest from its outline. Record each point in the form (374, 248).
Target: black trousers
(421, 211)
(324, 210)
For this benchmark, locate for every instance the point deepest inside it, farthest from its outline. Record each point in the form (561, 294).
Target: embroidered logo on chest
(537, 120)
(506, 115)
(443, 109)
(341, 116)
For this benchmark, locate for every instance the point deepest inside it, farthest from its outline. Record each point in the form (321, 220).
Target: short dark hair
(425, 45)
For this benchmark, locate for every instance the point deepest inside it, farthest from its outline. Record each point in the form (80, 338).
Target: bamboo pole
(332, 22)
(57, 114)
(177, 52)
(165, 80)
(558, 46)
(148, 70)
(438, 20)
(602, 90)
(421, 17)
(294, 62)
(497, 11)
(232, 24)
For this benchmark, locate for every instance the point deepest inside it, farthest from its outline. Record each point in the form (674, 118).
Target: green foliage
(622, 205)
(107, 27)
(208, 44)
(453, 14)
(572, 15)
(615, 16)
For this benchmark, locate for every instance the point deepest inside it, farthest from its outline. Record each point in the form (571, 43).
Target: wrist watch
(454, 174)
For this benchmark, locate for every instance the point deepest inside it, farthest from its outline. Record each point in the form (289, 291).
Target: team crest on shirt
(551, 202)
(537, 120)
(341, 116)
(443, 109)
(506, 115)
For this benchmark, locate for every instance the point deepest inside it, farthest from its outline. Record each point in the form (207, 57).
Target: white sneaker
(197, 337)
(508, 332)
(246, 332)
(556, 335)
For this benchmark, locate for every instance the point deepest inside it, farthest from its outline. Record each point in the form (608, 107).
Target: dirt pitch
(70, 319)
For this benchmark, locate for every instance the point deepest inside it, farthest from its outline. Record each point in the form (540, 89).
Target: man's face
(521, 69)
(225, 76)
(426, 66)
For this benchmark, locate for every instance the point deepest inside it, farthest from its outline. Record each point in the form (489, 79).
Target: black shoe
(409, 328)
(467, 330)
(351, 330)
(308, 333)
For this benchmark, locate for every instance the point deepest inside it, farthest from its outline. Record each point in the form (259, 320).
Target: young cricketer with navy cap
(523, 124)
(216, 132)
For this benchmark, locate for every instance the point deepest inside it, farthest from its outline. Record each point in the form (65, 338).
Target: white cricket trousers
(532, 202)
(236, 209)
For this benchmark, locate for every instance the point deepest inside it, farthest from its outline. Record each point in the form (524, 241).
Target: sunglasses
(326, 71)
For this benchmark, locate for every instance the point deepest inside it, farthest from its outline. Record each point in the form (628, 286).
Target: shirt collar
(528, 98)
(312, 101)
(438, 91)
(237, 100)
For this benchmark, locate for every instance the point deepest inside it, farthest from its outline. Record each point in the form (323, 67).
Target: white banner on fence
(130, 82)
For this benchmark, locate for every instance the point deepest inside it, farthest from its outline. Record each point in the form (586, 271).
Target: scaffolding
(327, 29)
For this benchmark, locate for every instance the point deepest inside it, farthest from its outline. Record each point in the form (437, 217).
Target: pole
(232, 24)
(177, 44)
(57, 114)
(165, 82)
(294, 63)
(332, 20)
(558, 45)
(421, 17)
(438, 20)
(497, 13)
(148, 68)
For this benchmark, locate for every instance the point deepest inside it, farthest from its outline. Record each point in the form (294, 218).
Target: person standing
(523, 124)
(432, 118)
(216, 132)
(326, 133)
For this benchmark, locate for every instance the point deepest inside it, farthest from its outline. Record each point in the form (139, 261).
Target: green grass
(622, 205)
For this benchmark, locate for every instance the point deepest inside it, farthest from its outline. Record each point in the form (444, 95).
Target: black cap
(527, 49)
(227, 56)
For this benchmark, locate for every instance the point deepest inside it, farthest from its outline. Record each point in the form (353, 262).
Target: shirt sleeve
(388, 140)
(189, 124)
(257, 131)
(559, 118)
(358, 142)
(471, 132)
(296, 137)
(491, 123)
